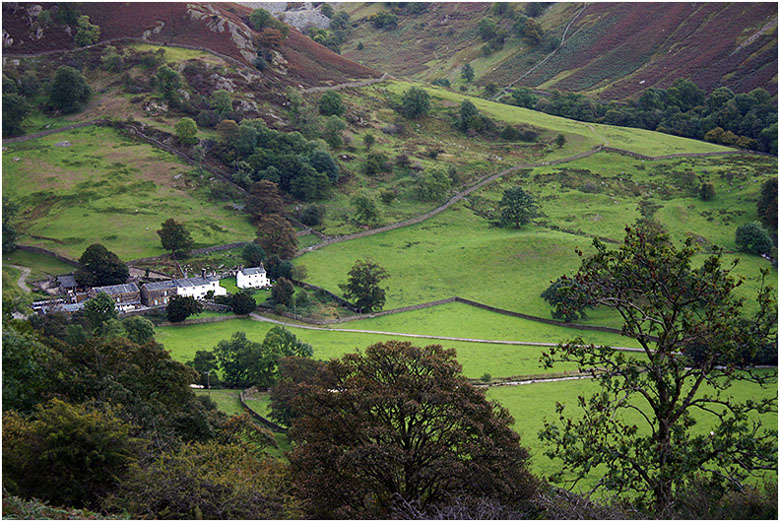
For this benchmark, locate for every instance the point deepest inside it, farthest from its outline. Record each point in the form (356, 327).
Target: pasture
(109, 189)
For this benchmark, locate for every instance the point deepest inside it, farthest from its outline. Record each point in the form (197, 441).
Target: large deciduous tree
(751, 237)
(175, 237)
(264, 200)
(638, 431)
(277, 236)
(517, 207)
(330, 104)
(415, 103)
(181, 307)
(100, 267)
(363, 285)
(100, 310)
(767, 204)
(400, 424)
(69, 91)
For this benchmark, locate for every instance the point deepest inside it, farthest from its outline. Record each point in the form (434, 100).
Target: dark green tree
(264, 200)
(753, 238)
(282, 291)
(69, 91)
(332, 132)
(242, 303)
(293, 372)
(405, 426)
(363, 285)
(15, 110)
(467, 72)
(560, 140)
(24, 358)
(277, 267)
(175, 238)
(567, 299)
(330, 104)
(434, 183)
(368, 141)
(86, 33)
(168, 81)
(205, 363)
(487, 28)
(469, 117)
(366, 210)
(101, 267)
(83, 451)
(260, 19)
(524, 97)
(99, 310)
(517, 207)
(253, 255)
(767, 204)
(666, 305)
(277, 236)
(138, 329)
(415, 103)
(707, 191)
(221, 101)
(10, 209)
(181, 307)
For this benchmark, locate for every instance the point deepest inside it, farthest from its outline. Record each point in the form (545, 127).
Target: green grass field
(636, 140)
(531, 404)
(40, 266)
(226, 399)
(106, 188)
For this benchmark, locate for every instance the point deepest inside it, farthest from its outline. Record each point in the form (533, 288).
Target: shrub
(312, 215)
(330, 104)
(377, 162)
(753, 238)
(415, 103)
(69, 90)
(186, 131)
(707, 191)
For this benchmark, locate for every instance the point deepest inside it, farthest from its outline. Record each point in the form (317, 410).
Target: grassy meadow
(106, 188)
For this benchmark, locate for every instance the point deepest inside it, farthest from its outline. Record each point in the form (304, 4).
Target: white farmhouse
(198, 287)
(252, 278)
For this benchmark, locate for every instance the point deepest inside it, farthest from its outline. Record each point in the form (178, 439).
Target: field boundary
(265, 422)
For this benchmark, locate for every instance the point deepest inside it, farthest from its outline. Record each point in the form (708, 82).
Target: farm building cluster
(130, 297)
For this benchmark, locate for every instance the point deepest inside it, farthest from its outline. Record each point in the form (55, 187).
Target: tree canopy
(277, 236)
(363, 285)
(517, 207)
(69, 91)
(404, 426)
(101, 267)
(415, 102)
(667, 306)
(181, 307)
(175, 237)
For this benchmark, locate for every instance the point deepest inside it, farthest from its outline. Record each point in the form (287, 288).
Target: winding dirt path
(22, 282)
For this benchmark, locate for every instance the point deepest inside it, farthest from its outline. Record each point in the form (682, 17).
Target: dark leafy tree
(100, 310)
(330, 104)
(260, 19)
(366, 210)
(253, 255)
(242, 303)
(560, 140)
(312, 215)
(277, 236)
(293, 372)
(181, 307)
(377, 162)
(487, 28)
(168, 82)
(415, 103)
(753, 238)
(24, 358)
(767, 204)
(434, 183)
(384, 20)
(469, 117)
(207, 481)
(368, 141)
(15, 110)
(264, 200)
(175, 238)
(69, 91)
(139, 329)
(277, 267)
(332, 133)
(205, 363)
(101, 267)
(282, 291)
(707, 191)
(405, 426)
(467, 72)
(666, 305)
(363, 285)
(10, 209)
(517, 207)
(66, 454)
(567, 299)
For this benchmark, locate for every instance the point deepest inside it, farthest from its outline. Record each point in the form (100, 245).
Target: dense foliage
(69, 91)
(101, 267)
(404, 427)
(667, 305)
(363, 285)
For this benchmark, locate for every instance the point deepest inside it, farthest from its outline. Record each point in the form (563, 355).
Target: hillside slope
(615, 50)
(219, 27)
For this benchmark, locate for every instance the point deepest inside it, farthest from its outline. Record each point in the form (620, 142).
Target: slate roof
(117, 289)
(67, 281)
(253, 271)
(160, 285)
(195, 281)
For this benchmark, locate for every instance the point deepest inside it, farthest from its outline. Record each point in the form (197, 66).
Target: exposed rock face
(215, 22)
(299, 15)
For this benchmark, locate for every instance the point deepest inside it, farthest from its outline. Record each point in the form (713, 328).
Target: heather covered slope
(615, 50)
(218, 27)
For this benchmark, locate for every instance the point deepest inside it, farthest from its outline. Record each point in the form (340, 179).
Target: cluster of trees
(304, 168)
(496, 29)
(243, 363)
(746, 120)
(338, 30)
(112, 420)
